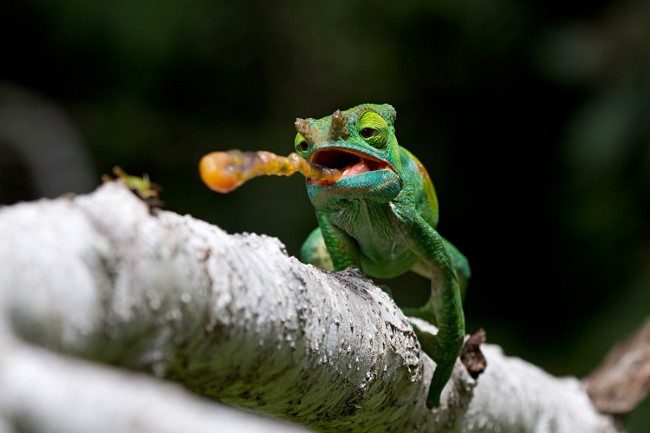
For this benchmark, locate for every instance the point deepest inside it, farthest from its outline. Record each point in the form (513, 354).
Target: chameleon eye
(367, 132)
(300, 144)
(373, 128)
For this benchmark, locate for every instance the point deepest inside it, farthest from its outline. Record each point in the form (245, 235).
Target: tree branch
(42, 392)
(235, 319)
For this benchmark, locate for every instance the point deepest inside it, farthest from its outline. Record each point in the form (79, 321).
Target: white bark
(235, 319)
(44, 392)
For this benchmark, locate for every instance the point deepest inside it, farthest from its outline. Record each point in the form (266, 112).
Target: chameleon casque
(380, 216)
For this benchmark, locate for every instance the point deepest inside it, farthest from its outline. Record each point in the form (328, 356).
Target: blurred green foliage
(532, 118)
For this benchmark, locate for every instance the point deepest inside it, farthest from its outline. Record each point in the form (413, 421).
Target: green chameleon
(380, 217)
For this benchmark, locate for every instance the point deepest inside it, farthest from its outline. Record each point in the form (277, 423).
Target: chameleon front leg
(328, 247)
(444, 307)
(315, 252)
(460, 263)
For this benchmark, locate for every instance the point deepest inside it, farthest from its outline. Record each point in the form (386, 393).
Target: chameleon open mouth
(348, 161)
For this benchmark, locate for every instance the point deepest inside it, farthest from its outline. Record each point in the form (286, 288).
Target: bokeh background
(533, 119)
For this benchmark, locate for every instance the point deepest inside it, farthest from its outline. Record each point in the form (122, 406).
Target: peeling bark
(233, 318)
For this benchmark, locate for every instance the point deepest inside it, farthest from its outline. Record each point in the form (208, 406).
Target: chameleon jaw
(350, 162)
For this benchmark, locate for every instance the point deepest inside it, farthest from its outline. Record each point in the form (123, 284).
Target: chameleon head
(361, 143)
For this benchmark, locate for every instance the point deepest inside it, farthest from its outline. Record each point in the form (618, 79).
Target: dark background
(532, 118)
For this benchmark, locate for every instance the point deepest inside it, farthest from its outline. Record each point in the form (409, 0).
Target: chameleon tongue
(225, 171)
(358, 168)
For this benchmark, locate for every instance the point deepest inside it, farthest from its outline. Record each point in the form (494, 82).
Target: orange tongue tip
(221, 184)
(216, 172)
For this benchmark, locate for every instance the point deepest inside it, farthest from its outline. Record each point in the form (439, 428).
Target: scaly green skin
(383, 222)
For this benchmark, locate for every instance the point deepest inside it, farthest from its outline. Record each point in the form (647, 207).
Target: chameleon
(377, 211)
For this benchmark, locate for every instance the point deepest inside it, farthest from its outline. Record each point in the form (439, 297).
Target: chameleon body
(380, 216)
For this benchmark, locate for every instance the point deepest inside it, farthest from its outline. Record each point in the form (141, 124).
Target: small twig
(471, 355)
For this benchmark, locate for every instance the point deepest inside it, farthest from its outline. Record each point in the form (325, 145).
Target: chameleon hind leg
(444, 307)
